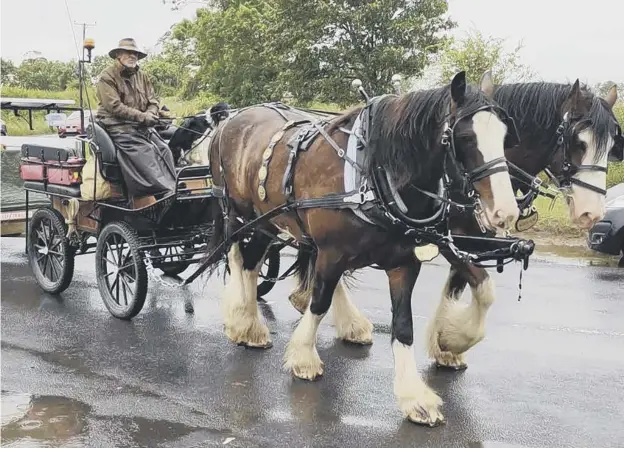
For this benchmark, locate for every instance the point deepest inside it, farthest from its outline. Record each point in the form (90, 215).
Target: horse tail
(217, 248)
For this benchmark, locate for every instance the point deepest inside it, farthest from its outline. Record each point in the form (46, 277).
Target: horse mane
(406, 132)
(537, 111)
(344, 119)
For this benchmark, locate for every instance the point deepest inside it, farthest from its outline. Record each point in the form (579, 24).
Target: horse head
(587, 136)
(478, 133)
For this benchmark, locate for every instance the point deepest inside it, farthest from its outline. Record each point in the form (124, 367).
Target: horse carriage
(133, 237)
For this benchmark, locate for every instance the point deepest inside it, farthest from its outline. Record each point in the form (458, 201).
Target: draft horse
(415, 141)
(564, 130)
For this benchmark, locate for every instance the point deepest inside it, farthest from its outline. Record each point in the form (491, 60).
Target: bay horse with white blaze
(564, 129)
(406, 143)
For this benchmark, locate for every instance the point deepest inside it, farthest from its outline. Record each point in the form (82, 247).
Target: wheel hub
(45, 250)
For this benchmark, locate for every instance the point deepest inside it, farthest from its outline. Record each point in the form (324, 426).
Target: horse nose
(505, 219)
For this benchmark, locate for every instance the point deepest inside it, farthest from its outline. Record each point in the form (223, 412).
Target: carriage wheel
(269, 270)
(50, 255)
(121, 273)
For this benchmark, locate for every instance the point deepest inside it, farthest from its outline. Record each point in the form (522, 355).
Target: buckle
(360, 197)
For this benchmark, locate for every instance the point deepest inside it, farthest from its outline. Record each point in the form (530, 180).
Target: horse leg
(301, 356)
(300, 296)
(457, 327)
(416, 400)
(244, 324)
(350, 324)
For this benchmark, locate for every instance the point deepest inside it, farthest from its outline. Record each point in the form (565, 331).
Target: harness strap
(588, 186)
(263, 172)
(488, 169)
(341, 153)
(336, 200)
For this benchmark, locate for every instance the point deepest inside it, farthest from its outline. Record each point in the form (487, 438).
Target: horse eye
(581, 145)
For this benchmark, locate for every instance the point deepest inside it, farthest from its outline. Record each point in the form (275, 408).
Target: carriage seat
(44, 187)
(107, 156)
(47, 154)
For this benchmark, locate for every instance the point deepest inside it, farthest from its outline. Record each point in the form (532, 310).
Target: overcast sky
(562, 41)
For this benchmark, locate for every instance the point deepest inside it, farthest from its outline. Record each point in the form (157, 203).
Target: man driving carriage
(128, 109)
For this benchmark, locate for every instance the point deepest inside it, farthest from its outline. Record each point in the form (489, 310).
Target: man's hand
(150, 119)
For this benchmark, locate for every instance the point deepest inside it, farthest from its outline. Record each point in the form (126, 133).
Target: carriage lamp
(89, 44)
(357, 85)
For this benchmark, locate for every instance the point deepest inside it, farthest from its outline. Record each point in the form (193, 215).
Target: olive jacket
(124, 96)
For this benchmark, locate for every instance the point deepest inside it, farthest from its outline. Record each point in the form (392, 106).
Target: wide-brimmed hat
(127, 44)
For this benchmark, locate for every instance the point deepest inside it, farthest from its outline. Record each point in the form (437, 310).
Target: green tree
(477, 54)
(46, 75)
(329, 43)
(97, 66)
(235, 51)
(7, 72)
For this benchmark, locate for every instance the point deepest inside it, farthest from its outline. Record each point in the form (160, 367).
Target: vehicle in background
(607, 236)
(72, 124)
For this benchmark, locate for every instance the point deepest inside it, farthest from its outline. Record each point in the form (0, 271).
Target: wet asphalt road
(549, 373)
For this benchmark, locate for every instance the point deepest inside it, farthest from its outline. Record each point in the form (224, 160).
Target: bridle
(468, 179)
(566, 178)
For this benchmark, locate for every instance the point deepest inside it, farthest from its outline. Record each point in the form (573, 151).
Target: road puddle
(578, 254)
(42, 421)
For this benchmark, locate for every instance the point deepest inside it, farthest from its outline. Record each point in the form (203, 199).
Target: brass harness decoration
(263, 172)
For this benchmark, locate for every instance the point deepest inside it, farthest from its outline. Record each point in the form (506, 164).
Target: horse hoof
(363, 342)
(308, 375)
(424, 420)
(460, 367)
(267, 345)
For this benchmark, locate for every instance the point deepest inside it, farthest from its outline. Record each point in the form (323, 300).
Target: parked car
(72, 124)
(607, 236)
(3, 128)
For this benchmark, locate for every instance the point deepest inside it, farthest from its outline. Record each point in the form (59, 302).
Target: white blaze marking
(490, 132)
(585, 200)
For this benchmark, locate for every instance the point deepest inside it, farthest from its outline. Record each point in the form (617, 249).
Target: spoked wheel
(121, 273)
(49, 252)
(269, 271)
(179, 253)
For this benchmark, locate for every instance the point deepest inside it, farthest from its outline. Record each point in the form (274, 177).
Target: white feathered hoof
(303, 362)
(450, 361)
(358, 332)
(425, 410)
(255, 336)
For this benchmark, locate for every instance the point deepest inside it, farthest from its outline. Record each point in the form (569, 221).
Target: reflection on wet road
(549, 372)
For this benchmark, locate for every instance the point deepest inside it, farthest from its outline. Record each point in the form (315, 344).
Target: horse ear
(575, 98)
(611, 97)
(487, 84)
(458, 89)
